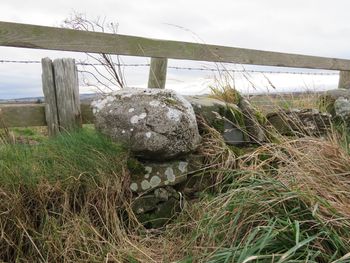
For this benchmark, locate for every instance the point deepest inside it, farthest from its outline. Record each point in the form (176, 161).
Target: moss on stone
(135, 167)
(170, 101)
(261, 118)
(161, 215)
(236, 116)
(219, 125)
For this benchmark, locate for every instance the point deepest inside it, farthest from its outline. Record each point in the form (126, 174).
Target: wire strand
(322, 73)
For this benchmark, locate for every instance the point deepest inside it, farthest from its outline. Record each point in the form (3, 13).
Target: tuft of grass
(66, 200)
(285, 202)
(83, 154)
(29, 135)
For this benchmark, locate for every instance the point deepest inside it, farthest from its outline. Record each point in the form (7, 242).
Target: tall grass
(285, 203)
(64, 201)
(67, 200)
(282, 202)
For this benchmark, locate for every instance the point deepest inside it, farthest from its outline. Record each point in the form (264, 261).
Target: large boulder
(156, 124)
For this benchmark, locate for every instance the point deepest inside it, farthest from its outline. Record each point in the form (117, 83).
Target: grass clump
(64, 200)
(290, 206)
(83, 154)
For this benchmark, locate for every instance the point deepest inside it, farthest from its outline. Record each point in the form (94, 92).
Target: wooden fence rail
(52, 38)
(26, 115)
(42, 37)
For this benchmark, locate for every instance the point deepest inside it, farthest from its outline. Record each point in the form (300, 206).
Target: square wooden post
(344, 80)
(157, 73)
(61, 90)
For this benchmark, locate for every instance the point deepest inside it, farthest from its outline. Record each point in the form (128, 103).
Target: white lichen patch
(174, 114)
(145, 185)
(169, 173)
(148, 169)
(131, 110)
(127, 95)
(183, 167)
(101, 103)
(154, 103)
(143, 115)
(155, 181)
(148, 134)
(136, 118)
(134, 187)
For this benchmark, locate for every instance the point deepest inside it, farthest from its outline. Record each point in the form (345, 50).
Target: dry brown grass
(318, 167)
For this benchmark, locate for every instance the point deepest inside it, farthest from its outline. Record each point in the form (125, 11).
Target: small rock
(157, 208)
(342, 108)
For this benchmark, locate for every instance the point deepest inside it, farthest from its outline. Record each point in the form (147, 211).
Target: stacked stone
(161, 130)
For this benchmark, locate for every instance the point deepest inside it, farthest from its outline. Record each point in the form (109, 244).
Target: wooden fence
(52, 38)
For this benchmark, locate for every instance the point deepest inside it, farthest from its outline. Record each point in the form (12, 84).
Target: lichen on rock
(155, 175)
(156, 124)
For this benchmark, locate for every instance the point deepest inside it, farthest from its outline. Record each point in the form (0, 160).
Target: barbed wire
(187, 68)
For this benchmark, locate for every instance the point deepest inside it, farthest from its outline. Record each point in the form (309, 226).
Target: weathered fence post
(344, 80)
(157, 73)
(49, 90)
(61, 90)
(67, 94)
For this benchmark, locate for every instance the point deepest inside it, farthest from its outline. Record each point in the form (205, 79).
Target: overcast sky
(313, 27)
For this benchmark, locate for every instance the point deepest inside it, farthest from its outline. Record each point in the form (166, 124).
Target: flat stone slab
(158, 175)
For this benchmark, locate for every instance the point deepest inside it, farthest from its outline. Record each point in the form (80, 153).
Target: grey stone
(342, 108)
(207, 107)
(157, 124)
(158, 175)
(254, 129)
(327, 100)
(233, 135)
(300, 122)
(337, 93)
(216, 113)
(157, 208)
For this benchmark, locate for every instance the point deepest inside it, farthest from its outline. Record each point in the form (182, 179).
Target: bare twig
(114, 73)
